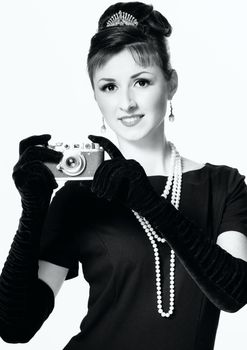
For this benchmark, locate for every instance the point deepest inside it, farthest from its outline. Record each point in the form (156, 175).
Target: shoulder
(73, 194)
(73, 188)
(74, 202)
(221, 177)
(224, 171)
(191, 165)
(225, 174)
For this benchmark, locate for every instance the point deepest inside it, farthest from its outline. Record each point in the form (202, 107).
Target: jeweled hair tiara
(121, 19)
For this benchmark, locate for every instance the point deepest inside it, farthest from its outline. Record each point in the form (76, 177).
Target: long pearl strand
(174, 181)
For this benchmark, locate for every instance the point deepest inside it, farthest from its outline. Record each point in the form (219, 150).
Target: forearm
(19, 326)
(25, 301)
(222, 277)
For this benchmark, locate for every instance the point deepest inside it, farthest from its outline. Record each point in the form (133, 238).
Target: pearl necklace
(174, 180)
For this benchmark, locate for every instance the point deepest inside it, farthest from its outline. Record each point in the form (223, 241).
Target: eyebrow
(133, 76)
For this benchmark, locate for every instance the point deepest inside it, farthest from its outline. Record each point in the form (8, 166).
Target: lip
(132, 120)
(132, 116)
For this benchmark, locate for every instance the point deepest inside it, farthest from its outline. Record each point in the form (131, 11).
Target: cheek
(105, 106)
(158, 104)
(162, 103)
(107, 111)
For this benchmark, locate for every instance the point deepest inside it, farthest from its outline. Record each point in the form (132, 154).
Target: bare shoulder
(189, 165)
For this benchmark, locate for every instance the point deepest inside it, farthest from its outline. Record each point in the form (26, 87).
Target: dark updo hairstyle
(147, 41)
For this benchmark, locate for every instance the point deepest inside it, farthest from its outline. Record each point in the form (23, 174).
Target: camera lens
(73, 163)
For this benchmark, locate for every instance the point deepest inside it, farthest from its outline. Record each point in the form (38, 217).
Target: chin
(134, 135)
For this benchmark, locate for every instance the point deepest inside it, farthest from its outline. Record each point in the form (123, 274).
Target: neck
(152, 152)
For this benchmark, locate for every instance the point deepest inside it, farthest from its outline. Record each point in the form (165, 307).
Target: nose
(127, 101)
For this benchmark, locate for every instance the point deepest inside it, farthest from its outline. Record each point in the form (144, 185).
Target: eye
(143, 82)
(108, 87)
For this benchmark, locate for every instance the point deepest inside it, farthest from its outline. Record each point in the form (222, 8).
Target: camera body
(79, 161)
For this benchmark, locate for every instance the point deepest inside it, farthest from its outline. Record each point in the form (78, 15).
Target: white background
(44, 88)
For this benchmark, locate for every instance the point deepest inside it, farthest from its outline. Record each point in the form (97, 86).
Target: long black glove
(25, 300)
(222, 277)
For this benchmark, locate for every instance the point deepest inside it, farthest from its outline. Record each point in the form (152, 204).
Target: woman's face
(132, 98)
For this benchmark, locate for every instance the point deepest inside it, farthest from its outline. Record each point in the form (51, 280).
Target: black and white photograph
(123, 186)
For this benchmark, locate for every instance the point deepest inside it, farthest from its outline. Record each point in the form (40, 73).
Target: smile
(132, 120)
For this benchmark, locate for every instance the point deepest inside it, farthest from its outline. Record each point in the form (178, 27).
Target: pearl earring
(103, 127)
(171, 115)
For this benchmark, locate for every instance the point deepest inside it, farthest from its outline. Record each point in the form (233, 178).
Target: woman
(162, 239)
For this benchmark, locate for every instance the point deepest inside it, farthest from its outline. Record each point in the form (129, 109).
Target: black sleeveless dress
(118, 262)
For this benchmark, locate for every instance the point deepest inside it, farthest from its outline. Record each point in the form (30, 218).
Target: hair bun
(149, 20)
(156, 24)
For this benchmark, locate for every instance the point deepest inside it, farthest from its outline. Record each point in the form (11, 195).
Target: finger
(42, 154)
(114, 188)
(34, 173)
(109, 181)
(107, 145)
(103, 176)
(32, 141)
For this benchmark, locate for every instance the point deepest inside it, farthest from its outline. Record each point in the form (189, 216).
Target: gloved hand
(26, 301)
(30, 175)
(122, 179)
(220, 276)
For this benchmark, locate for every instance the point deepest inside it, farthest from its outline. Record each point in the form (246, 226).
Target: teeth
(131, 118)
(131, 121)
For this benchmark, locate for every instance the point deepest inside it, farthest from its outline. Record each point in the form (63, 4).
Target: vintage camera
(79, 161)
